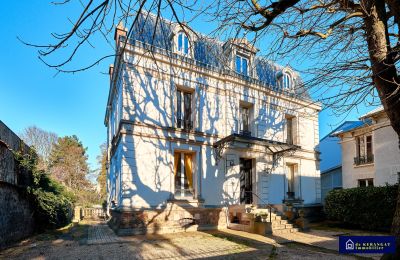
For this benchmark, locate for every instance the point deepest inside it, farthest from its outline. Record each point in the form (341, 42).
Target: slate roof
(208, 52)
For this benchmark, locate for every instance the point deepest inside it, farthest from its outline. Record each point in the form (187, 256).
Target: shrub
(52, 204)
(370, 208)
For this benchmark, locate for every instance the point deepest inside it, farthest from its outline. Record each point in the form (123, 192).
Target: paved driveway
(97, 241)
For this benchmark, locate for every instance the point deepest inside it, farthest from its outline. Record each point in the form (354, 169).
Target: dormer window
(285, 80)
(183, 43)
(242, 65)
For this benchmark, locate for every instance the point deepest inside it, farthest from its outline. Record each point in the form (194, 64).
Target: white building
(195, 125)
(331, 158)
(370, 152)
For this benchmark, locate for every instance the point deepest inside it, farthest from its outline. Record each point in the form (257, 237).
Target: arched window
(285, 80)
(183, 43)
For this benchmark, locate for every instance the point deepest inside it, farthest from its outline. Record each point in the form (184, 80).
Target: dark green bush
(370, 208)
(52, 204)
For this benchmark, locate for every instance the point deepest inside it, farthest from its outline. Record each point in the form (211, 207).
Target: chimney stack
(111, 71)
(119, 31)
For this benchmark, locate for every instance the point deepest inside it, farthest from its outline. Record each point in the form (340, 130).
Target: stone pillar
(77, 214)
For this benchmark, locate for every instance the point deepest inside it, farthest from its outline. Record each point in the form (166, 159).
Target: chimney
(111, 71)
(119, 31)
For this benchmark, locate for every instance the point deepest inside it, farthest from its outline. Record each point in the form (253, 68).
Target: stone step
(284, 231)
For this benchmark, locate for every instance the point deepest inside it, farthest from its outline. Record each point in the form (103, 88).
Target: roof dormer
(285, 80)
(183, 40)
(240, 53)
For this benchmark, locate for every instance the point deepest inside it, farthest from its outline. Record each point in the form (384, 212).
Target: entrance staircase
(263, 221)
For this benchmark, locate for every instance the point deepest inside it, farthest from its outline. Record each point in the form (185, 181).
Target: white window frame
(182, 170)
(242, 58)
(184, 50)
(182, 106)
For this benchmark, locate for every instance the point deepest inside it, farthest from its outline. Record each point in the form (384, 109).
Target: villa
(202, 132)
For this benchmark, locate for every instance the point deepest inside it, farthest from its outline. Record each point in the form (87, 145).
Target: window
(286, 81)
(183, 43)
(364, 151)
(291, 170)
(184, 110)
(183, 163)
(289, 130)
(245, 127)
(366, 183)
(242, 65)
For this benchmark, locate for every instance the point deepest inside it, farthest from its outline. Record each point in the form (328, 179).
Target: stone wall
(16, 215)
(171, 219)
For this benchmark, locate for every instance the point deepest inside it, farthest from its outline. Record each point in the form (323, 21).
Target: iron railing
(360, 160)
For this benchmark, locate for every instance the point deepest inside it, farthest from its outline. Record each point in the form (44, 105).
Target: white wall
(146, 152)
(386, 156)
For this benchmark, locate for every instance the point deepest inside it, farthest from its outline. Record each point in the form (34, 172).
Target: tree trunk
(386, 80)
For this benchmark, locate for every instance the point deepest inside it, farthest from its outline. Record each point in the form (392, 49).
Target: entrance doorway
(246, 187)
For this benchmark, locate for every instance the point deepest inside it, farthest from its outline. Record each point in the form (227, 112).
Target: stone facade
(16, 214)
(168, 115)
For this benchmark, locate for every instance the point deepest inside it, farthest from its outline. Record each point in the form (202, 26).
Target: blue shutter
(238, 64)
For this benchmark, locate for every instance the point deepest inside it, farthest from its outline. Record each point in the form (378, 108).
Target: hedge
(370, 208)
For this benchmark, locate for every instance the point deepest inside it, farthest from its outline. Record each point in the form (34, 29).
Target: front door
(246, 189)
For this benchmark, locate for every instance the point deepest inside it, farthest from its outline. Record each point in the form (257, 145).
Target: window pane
(180, 42)
(178, 172)
(289, 129)
(362, 183)
(186, 49)
(179, 108)
(369, 146)
(244, 66)
(187, 110)
(370, 182)
(362, 146)
(238, 64)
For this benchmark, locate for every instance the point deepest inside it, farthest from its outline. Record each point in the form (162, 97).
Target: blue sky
(66, 104)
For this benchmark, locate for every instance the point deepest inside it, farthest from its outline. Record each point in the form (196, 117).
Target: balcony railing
(185, 124)
(360, 160)
(245, 132)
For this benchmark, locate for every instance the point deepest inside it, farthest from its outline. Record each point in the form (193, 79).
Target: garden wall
(16, 214)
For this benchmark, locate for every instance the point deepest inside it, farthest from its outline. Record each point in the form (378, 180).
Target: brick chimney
(119, 31)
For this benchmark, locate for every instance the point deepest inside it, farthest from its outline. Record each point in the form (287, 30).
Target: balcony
(361, 160)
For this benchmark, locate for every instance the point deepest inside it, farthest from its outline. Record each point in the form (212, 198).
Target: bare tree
(354, 43)
(43, 143)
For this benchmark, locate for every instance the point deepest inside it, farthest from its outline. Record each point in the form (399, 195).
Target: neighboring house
(331, 159)
(195, 125)
(370, 152)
